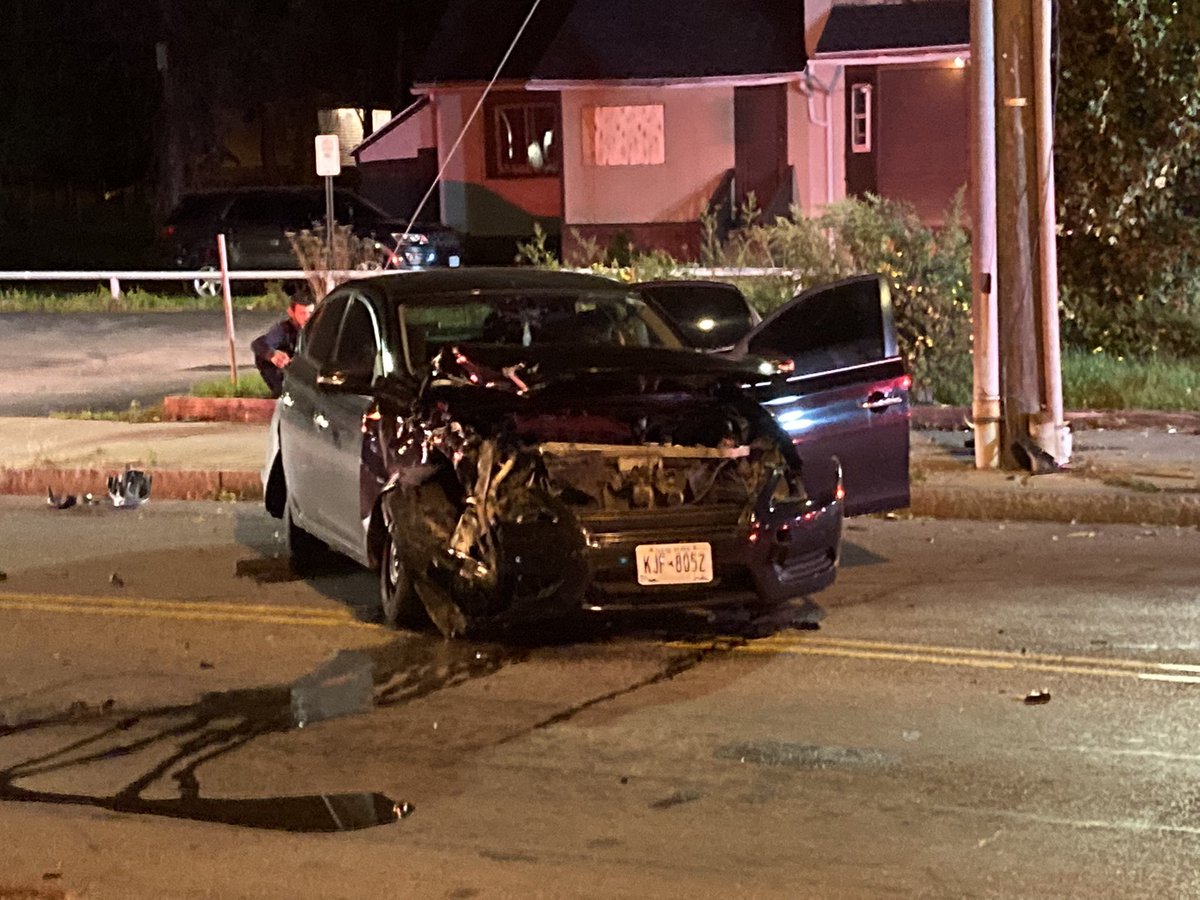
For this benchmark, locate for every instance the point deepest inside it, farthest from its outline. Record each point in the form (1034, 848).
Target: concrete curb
(184, 408)
(168, 484)
(955, 418)
(1075, 507)
(1081, 507)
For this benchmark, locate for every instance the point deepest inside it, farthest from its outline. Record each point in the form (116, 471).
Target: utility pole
(1015, 227)
(1030, 387)
(985, 406)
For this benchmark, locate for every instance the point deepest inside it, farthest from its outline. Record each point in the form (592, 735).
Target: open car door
(842, 393)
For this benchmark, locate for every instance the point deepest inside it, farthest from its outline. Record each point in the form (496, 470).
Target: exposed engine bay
(537, 504)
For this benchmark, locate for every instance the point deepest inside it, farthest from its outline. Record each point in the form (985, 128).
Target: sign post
(329, 164)
(227, 297)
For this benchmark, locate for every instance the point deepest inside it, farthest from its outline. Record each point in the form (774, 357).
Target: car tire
(400, 607)
(205, 287)
(305, 552)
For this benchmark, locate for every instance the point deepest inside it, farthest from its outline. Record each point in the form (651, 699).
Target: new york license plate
(674, 563)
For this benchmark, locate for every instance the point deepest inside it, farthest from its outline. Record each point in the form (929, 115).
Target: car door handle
(287, 400)
(320, 421)
(877, 402)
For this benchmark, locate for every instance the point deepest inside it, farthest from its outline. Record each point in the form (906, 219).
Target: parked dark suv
(255, 222)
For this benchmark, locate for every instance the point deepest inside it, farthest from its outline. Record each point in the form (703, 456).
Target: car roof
(416, 287)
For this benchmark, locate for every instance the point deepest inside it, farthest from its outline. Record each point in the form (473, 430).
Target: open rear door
(845, 398)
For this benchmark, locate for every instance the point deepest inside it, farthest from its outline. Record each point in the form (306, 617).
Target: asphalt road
(890, 752)
(99, 361)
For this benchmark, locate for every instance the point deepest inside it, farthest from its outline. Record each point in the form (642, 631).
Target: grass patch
(247, 386)
(1100, 381)
(135, 413)
(136, 300)
(1090, 381)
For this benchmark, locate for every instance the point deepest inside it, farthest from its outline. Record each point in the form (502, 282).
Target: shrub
(348, 252)
(927, 268)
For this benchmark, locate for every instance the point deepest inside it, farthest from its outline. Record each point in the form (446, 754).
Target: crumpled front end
(612, 504)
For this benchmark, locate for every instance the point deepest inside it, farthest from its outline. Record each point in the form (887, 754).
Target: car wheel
(398, 601)
(205, 287)
(305, 552)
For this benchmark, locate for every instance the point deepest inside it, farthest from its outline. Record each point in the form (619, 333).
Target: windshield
(531, 319)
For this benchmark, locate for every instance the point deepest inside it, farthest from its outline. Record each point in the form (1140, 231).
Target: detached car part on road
(508, 444)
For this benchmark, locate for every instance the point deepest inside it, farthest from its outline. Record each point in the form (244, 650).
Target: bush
(928, 270)
(348, 252)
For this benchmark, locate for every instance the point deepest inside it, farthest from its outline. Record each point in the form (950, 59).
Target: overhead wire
(466, 125)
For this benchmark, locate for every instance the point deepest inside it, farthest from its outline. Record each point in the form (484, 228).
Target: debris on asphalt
(3, 575)
(676, 799)
(59, 501)
(1033, 458)
(116, 580)
(130, 489)
(205, 664)
(1037, 698)
(342, 686)
(1082, 534)
(271, 570)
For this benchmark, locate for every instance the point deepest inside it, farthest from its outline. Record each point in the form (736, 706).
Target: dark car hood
(524, 370)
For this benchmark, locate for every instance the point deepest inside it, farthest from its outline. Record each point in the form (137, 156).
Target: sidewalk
(1146, 471)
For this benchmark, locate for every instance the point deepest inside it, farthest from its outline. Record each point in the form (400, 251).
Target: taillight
(168, 231)
(370, 417)
(905, 383)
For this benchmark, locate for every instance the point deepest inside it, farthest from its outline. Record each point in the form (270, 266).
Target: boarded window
(624, 135)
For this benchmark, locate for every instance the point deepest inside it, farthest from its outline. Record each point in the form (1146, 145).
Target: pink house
(623, 117)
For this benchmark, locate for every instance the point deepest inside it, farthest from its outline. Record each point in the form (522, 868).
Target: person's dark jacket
(280, 336)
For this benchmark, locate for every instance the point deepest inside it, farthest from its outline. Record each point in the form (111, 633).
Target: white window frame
(860, 117)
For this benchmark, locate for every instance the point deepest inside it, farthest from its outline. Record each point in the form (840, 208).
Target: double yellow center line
(190, 610)
(804, 644)
(968, 657)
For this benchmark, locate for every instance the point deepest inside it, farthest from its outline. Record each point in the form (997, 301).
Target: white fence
(210, 276)
(213, 277)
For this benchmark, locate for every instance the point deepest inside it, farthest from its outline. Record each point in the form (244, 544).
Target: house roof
(896, 26)
(391, 124)
(617, 40)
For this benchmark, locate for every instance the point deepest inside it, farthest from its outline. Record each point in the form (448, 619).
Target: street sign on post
(329, 164)
(329, 155)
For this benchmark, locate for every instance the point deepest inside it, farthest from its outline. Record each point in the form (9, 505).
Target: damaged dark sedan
(514, 444)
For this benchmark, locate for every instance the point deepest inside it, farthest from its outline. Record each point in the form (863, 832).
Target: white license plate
(674, 563)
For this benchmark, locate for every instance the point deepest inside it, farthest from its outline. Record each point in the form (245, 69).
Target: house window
(523, 139)
(860, 118)
(624, 135)
(347, 123)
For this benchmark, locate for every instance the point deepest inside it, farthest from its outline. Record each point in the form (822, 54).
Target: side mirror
(345, 381)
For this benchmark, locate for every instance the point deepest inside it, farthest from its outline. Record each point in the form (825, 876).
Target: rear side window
(321, 334)
(284, 210)
(198, 208)
(358, 346)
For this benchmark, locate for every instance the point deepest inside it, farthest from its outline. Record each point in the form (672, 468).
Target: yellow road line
(195, 611)
(991, 654)
(962, 657)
